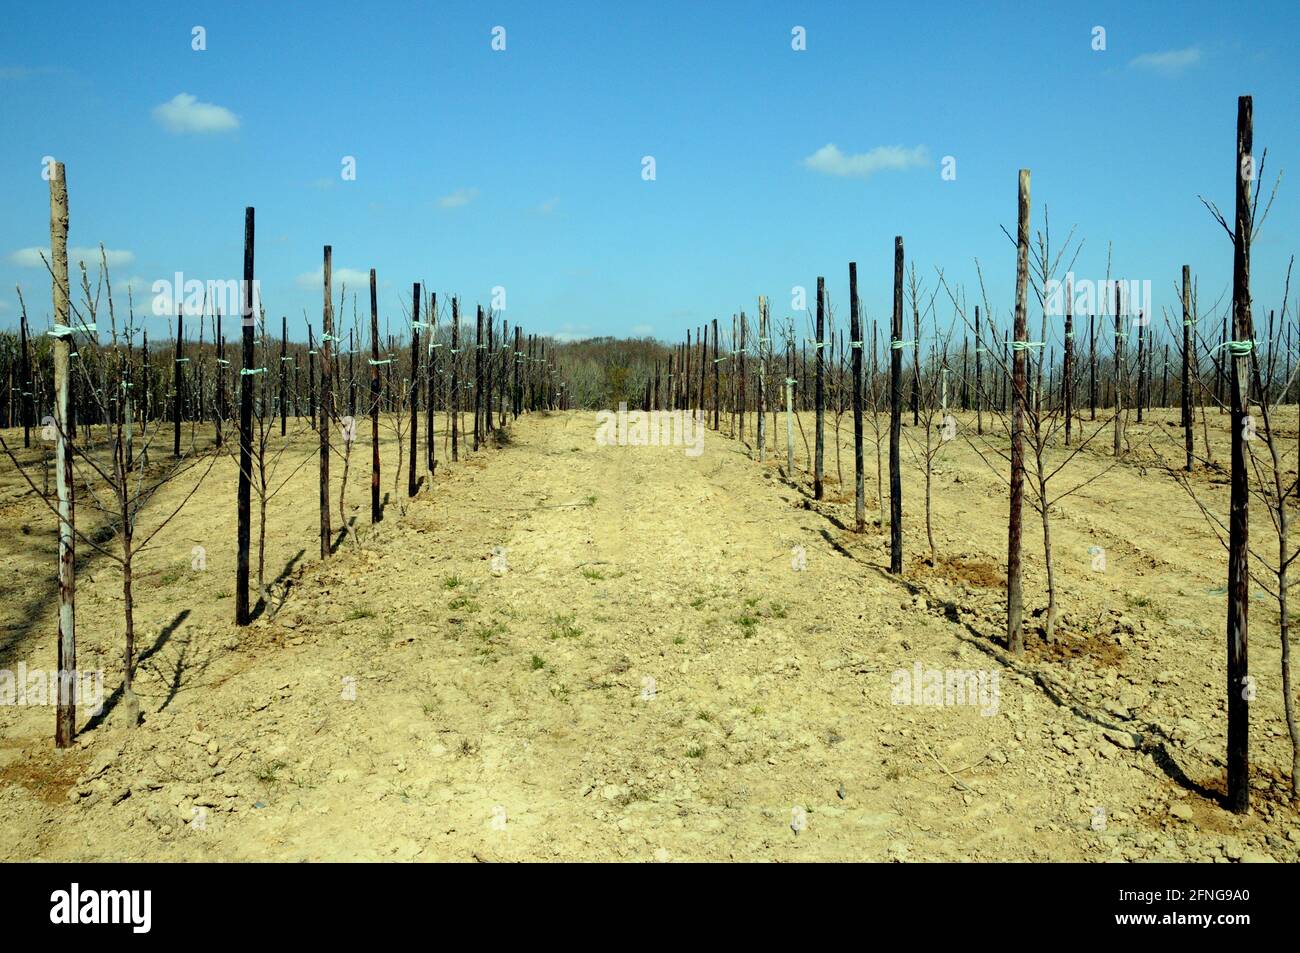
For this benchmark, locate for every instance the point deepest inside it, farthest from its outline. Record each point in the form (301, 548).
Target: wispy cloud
(458, 199)
(351, 277)
(549, 206)
(184, 113)
(31, 257)
(1168, 62)
(643, 330)
(829, 160)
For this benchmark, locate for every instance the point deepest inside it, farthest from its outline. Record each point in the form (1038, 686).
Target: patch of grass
(224, 594)
(777, 610)
(537, 664)
(748, 624)
(703, 715)
(269, 773)
(589, 573)
(359, 613)
(750, 603)
(697, 602)
(695, 752)
(679, 640)
(170, 577)
(488, 632)
(463, 603)
(758, 710)
(564, 627)
(452, 582)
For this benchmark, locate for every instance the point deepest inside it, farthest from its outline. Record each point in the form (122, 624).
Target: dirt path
(647, 678)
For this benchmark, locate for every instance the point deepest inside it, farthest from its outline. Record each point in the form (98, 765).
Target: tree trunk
(1015, 606)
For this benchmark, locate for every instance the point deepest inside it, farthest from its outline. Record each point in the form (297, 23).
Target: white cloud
(31, 257)
(643, 330)
(459, 198)
(549, 206)
(1168, 62)
(829, 160)
(315, 280)
(184, 113)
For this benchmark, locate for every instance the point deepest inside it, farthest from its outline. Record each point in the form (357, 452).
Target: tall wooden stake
(411, 483)
(855, 343)
(819, 348)
(895, 416)
(1239, 688)
(244, 493)
(326, 410)
(376, 512)
(65, 718)
(1015, 609)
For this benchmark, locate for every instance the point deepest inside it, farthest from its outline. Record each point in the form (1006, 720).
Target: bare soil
(649, 677)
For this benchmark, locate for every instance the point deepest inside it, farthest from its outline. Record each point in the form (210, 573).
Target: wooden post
(518, 362)
(478, 376)
(1118, 370)
(455, 379)
(65, 718)
(895, 416)
(176, 384)
(27, 384)
(1164, 377)
(284, 373)
(487, 377)
(221, 379)
(1067, 368)
(326, 392)
(856, 343)
(412, 485)
(741, 388)
(1188, 345)
(1142, 367)
(979, 375)
(716, 373)
(1238, 759)
(376, 512)
(430, 390)
(1092, 367)
(819, 349)
(244, 494)
(1015, 608)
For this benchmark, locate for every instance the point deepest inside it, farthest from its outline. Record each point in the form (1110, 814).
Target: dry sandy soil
(649, 677)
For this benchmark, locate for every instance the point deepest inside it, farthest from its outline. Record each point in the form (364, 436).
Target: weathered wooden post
(518, 361)
(244, 493)
(1067, 369)
(326, 410)
(412, 485)
(376, 512)
(284, 372)
(221, 380)
(28, 385)
(1188, 345)
(478, 376)
(855, 343)
(65, 718)
(1092, 367)
(488, 426)
(1239, 686)
(1118, 370)
(744, 324)
(716, 376)
(1141, 396)
(896, 345)
(979, 375)
(819, 347)
(177, 384)
(455, 379)
(1015, 608)
(430, 390)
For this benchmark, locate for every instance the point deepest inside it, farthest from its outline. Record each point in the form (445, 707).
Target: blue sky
(522, 168)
